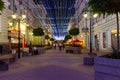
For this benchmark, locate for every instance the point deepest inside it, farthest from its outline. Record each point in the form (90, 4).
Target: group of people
(59, 45)
(33, 50)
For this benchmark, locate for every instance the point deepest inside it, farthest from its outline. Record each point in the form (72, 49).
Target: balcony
(85, 29)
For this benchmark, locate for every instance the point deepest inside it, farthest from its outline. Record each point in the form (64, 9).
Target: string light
(59, 12)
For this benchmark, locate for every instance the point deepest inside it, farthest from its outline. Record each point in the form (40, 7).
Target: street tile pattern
(51, 65)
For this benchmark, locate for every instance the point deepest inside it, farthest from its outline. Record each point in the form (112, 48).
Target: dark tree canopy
(52, 39)
(104, 6)
(47, 37)
(1, 5)
(74, 31)
(67, 37)
(38, 32)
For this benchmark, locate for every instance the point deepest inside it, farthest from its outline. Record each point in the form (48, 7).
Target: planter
(3, 66)
(25, 52)
(107, 68)
(48, 47)
(41, 50)
(88, 60)
(70, 49)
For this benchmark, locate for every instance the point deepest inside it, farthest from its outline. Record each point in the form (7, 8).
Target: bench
(8, 58)
(5, 60)
(73, 50)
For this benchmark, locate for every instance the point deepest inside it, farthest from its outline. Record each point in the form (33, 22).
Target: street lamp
(85, 29)
(14, 17)
(91, 16)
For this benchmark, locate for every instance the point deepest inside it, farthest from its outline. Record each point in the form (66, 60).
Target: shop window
(97, 42)
(104, 40)
(114, 40)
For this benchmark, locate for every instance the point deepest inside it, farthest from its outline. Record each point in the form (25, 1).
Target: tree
(47, 37)
(74, 31)
(38, 32)
(104, 6)
(67, 37)
(1, 5)
(52, 39)
(108, 7)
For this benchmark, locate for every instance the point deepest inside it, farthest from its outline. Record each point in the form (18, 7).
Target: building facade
(4, 46)
(9, 26)
(103, 28)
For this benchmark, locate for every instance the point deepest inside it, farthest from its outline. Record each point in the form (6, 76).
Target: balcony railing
(85, 29)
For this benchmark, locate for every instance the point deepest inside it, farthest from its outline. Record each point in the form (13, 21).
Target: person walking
(31, 50)
(54, 46)
(60, 46)
(63, 45)
(35, 50)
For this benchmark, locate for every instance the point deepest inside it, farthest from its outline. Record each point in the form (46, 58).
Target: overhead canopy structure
(59, 13)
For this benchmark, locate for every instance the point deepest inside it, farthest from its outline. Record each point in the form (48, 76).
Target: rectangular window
(104, 40)
(15, 8)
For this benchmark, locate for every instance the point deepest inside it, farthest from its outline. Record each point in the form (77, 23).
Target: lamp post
(85, 29)
(89, 60)
(14, 17)
(91, 16)
(18, 38)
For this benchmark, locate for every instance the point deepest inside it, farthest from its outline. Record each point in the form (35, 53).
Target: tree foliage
(1, 5)
(38, 32)
(74, 31)
(47, 37)
(67, 37)
(52, 39)
(104, 6)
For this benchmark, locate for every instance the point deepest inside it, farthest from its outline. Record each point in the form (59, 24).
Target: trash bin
(25, 52)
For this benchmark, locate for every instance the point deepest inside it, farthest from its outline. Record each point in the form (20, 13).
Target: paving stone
(51, 65)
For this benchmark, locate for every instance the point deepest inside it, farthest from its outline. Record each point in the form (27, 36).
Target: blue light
(59, 12)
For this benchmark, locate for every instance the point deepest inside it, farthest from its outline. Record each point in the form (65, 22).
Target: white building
(9, 26)
(103, 28)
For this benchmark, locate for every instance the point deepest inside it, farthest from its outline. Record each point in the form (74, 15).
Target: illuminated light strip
(63, 8)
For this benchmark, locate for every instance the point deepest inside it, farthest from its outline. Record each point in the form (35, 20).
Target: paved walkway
(51, 65)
